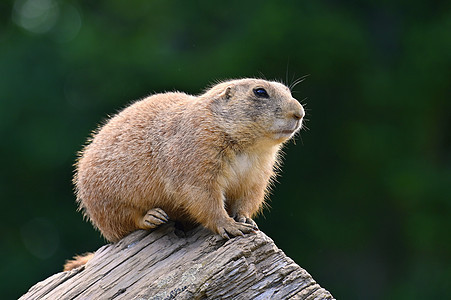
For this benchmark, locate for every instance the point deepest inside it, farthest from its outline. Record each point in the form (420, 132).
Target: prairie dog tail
(77, 261)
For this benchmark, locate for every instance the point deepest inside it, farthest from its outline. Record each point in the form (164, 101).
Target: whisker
(297, 81)
(293, 79)
(286, 72)
(298, 134)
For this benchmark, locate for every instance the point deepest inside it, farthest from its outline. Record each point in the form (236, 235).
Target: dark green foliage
(364, 199)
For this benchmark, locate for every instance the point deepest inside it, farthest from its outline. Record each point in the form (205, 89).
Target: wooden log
(169, 264)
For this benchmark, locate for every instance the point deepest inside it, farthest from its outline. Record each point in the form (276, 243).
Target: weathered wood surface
(198, 265)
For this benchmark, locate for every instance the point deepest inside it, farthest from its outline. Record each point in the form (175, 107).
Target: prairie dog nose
(298, 114)
(297, 110)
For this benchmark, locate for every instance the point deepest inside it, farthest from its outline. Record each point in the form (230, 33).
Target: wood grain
(169, 264)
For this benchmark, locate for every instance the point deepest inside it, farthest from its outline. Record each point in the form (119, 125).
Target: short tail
(77, 261)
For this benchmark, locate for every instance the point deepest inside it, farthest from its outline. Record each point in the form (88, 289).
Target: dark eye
(261, 93)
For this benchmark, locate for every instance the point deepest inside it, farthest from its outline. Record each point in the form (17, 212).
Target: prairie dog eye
(261, 93)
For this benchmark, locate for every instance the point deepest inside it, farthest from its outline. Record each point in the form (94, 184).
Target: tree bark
(169, 264)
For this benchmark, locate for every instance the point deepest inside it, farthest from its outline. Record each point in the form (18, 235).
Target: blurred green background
(364, 199)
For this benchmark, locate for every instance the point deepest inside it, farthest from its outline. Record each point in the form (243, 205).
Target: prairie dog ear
(227, 93)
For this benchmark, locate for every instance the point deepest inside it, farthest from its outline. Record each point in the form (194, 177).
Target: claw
(153, 218)
(230, 228)
(224, 234)
(246, 220)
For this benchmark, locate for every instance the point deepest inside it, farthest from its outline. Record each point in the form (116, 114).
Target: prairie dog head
(256, 110)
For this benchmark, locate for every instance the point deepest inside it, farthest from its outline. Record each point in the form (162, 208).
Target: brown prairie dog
(205, 159)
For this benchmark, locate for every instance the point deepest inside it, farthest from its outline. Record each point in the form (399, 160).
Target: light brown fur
(207, 159)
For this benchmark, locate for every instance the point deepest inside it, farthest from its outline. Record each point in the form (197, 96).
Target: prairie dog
(206, 159)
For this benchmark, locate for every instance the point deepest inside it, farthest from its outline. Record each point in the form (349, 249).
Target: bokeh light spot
(37, 16)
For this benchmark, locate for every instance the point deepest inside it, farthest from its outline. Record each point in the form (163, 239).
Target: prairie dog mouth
(295, 128)
(287, 131)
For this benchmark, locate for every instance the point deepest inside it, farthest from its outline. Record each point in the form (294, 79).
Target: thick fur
(205, 159)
